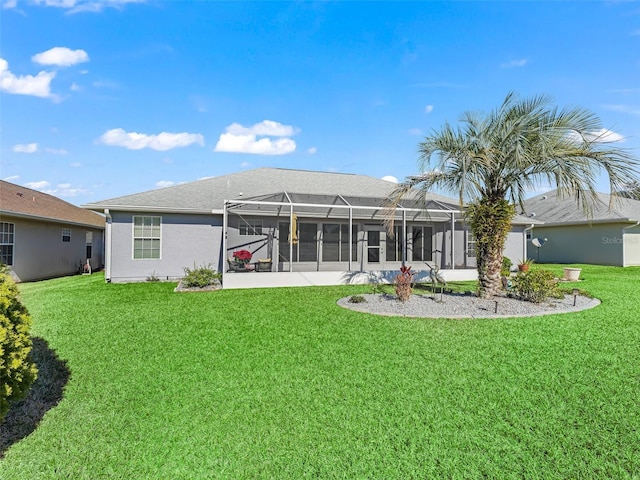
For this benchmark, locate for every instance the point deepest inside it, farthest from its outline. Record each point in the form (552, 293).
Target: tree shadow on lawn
(46, 392)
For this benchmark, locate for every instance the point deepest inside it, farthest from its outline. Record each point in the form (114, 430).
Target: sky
(109, 98)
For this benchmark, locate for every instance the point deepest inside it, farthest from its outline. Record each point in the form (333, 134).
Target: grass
(283, 383)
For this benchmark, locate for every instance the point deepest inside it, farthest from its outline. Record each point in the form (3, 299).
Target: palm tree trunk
(490, 224)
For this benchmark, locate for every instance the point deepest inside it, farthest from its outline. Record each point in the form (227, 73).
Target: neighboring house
(42, 236)
(338, 233)
(609, 236)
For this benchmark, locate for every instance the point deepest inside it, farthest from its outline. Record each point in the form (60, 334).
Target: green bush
(536, 286)
(17, 370)
(505, 271)
(200, 277)
(357, 299)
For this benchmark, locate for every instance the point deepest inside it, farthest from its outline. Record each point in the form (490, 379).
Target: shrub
(357, 299)
(505, 271)
(17, 370)
(403, 283)
(200, 277)
(153, 277)
(536, 286)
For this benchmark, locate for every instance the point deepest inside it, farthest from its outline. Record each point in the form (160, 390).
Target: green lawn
(283, 383)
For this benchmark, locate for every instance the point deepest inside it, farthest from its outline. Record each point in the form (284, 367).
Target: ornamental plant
(200, 277)
(536, 286)
(17, 370)
(242, 256)
(403, 283)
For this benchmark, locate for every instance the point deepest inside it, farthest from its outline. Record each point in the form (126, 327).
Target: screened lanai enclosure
(330, 239)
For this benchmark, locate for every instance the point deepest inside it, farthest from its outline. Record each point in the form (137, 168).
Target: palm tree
(494, 159)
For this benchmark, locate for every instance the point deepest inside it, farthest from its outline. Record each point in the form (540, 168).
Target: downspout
(524, 240)
(624, 257)
(107, 246)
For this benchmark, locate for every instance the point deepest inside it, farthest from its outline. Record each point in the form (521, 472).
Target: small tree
(17, 370)
(495, 158)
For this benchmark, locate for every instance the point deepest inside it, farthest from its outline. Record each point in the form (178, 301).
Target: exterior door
(374, 254)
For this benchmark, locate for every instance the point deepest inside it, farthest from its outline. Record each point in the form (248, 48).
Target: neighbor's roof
(553, 209)
(205, 196)
(24, 202)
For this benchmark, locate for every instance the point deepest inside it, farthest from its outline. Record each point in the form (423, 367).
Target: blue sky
(101, 99)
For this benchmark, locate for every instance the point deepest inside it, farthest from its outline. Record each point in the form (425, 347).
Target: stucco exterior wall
(40, 253)
(185, 240)
(598, 244)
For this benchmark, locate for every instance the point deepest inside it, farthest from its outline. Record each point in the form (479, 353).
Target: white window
(7, 239)
(250, 227)
(89, 242)
(66, 235)
(146, 237)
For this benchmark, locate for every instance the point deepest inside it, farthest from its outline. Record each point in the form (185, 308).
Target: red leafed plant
(403, 283)
(243, 256)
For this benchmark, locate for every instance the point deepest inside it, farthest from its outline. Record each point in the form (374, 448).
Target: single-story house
(609, 236)
(337, 237)
(42, 236)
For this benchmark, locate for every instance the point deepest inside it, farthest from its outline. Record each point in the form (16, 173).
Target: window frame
(251, 227)
(134, 238)
(66, 235)
(9, 242)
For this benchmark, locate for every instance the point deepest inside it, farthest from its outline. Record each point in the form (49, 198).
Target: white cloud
(264, 128)
(240, 139)
(515, 63)
(66, 190)
(312, 151)
(428, 109)
(56, 151)
(164, 183)
(604, 135)
(37, 185)
(137, 141)
(623, 109)
(601, 136)
(10, 4)
(37, 86)
(414, 131)
(75, 165)
(25, 148)
(61, 57)
(11, 178)
(390, 178)
(636, 33)
(77, 6)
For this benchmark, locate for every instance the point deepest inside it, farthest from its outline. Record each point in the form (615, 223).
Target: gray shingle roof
(22, 201)
(210, 194)
(553, 209)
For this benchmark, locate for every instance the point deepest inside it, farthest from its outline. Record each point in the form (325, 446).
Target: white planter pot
(572, 274)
